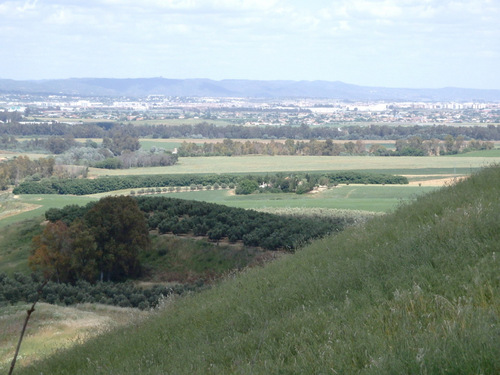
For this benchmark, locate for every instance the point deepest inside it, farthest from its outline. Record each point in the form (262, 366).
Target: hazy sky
(392, 43)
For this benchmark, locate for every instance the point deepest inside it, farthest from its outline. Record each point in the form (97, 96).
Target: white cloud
(319, 39)
(196, 5)
(60, 17)
(28, 5)
(379, 9)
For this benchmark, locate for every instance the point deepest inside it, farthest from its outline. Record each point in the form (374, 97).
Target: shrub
(247, 187)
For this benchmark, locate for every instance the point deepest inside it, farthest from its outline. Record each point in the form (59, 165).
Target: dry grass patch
(54, 327)
(16, 208)
(444, 180)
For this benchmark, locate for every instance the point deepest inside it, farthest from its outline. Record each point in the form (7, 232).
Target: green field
(355, 197)
(418, 169)
(495, 153)
(374, 198)
(41, 203)
(168, 145)
(256, 164)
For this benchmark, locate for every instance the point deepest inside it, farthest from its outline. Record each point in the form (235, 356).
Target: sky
(386, 43)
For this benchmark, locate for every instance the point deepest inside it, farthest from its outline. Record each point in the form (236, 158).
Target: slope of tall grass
(412, 292)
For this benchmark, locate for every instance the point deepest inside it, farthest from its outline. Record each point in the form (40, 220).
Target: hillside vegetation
(415, 291)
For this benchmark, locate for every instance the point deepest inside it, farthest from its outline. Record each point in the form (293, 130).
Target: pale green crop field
(256, 164)
(374, 198)
(167, 144)
(352, 197)
(30, 206)
(484, 153)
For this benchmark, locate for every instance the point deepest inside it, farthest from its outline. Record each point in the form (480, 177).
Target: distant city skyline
(384, 43)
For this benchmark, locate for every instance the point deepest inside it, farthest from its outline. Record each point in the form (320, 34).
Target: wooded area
(413, 146)
(101, 242)
(207, 130)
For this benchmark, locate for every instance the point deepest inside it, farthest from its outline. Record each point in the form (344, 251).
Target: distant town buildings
(245, 111)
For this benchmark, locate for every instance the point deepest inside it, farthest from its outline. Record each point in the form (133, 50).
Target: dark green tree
(120, 231)
(122, 138)
(84, 254)
(52, 252)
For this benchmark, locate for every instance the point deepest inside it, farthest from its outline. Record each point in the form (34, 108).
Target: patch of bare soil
(318, 189)
(445, 181)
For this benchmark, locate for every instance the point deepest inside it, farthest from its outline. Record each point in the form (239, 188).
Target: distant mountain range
(138, 87)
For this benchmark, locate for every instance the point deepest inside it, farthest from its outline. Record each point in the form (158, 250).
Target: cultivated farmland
(259, 164)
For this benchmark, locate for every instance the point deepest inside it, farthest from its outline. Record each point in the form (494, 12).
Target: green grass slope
(413, 292)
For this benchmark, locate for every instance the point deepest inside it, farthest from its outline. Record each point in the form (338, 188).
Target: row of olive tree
(23, 288)
(105, 184)
(213, 221)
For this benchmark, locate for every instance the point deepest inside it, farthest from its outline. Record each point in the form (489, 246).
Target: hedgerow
(105, 184)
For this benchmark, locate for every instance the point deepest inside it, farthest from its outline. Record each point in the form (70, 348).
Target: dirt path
(349, 193)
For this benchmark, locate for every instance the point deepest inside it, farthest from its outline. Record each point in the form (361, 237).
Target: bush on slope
(416, 291)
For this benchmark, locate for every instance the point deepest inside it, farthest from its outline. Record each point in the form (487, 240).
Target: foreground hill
(135, 87)
(415, 291)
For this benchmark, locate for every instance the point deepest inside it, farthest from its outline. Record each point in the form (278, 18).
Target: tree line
(208, 130)
(138, 159)
(112, 183)
(301, 183)
(414, 146)
(105, 184)
(13, 171)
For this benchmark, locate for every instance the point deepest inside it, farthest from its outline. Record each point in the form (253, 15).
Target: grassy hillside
(15, 245)
(53, 327)
(416, 291)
